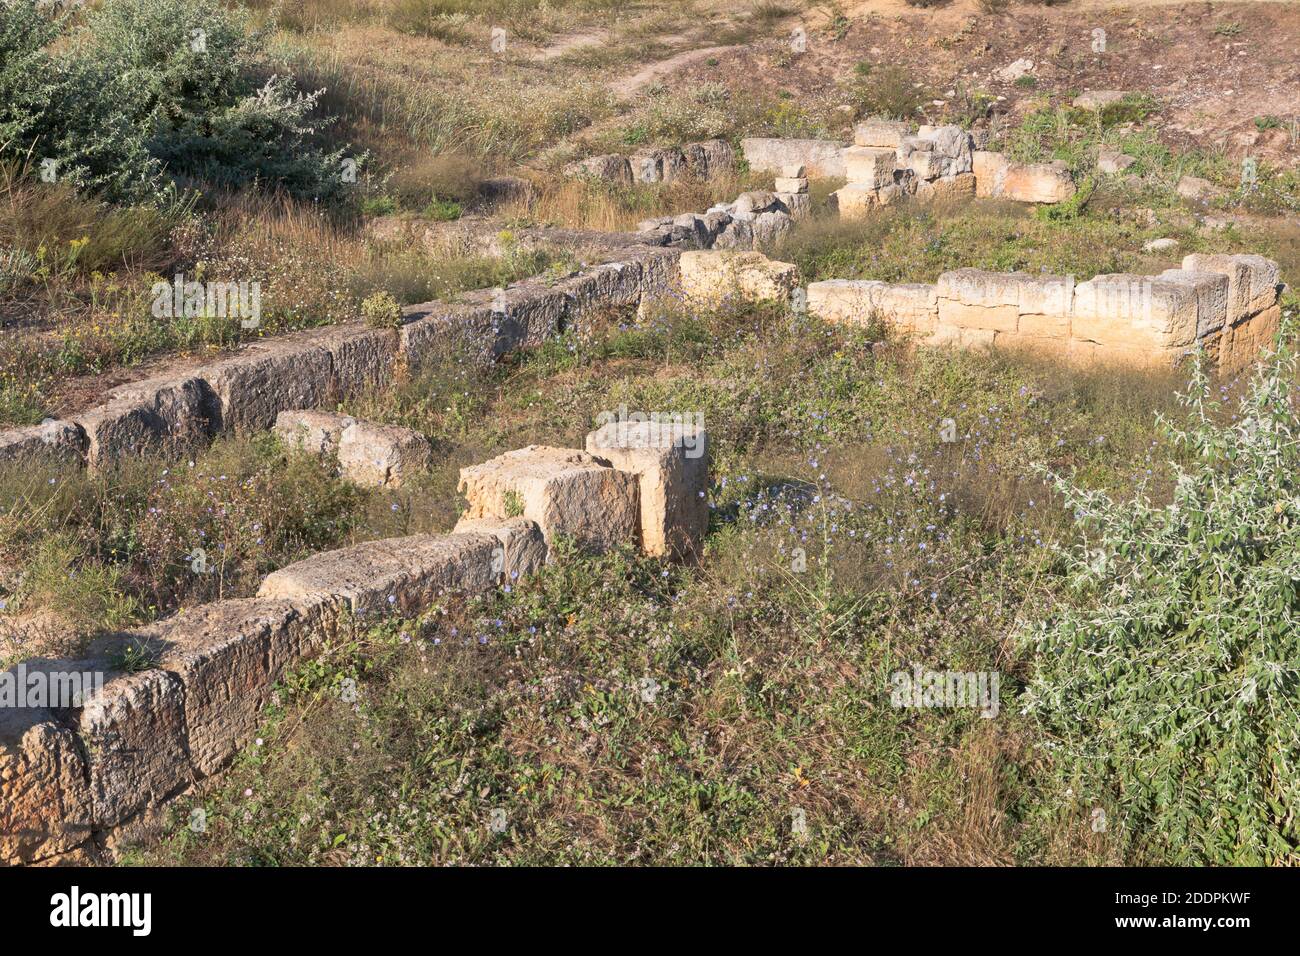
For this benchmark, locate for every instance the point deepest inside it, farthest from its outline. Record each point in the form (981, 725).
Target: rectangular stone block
(403, 575)
(712, 277)
(1252, 280)
(566, 492)
(1132, 311)
(990, 172)
(316, 433)
(671, 463)
(45, 808)
(958, 188)
(267, 378)
(907, 306)
(360, 358)
(878, 131)
(785, 184)
(51, 444)
(1243, 344)
(147, 416)
(379, 456)
(820, 158)
(520, 549)
(1210, 291)
(993, 318)
(134, 733)
(228, 656)
(870, 167)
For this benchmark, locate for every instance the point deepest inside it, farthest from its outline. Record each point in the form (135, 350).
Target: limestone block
(709, 159)
(316, 433)
(1253, 281)
(1135, 312)
(1037, 182)
(1210, 290)
(135, 742)
(820, 157)
(671, 463)
(403, 575)
(228, 655)
(990, 172)
(567, 492)
(611, 169)
(869, 166)
(520, 549)
(784, 184)
(710, 278)
(52, 443)
(956, 188)
(45, 806)
(381, 455)
(267, 378)
(878, 131)
(907, 306)
(147, 416)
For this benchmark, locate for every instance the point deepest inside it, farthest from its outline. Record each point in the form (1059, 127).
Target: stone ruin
(1228, 305)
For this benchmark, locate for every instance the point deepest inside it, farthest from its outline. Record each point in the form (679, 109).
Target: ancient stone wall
(81, 777)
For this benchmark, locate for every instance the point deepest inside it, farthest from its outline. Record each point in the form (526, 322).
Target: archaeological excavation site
(650, 433)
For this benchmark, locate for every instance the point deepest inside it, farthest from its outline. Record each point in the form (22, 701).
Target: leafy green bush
(1170, 688)
(149, 86)
(382, 311)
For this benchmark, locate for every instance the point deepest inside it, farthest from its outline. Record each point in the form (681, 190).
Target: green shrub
(154, 86)
(1170, 685)
(382, 311)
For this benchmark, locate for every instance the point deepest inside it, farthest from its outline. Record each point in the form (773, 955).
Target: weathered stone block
(869, 166)
(316, 433)
(880, 132)
(45, 808)
(228, 655)
(956, 188)
(1210, 290)
(1037, 182)
(820, 157)
(520, 549)
(268, 378)
(135, 741)
(147, 416)
(1136, 312)
(52, 443)
(711, 278)
(566, 492)
(784, 184)
(990, 172)
(360, 358)
(910, 307)
(671, 463)
(381, 455)
(611, 169)
(709, 159)
(398, 574)
(1253, 281)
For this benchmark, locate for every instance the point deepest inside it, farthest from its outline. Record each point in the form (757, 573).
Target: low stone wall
(248, 390)
(80, 777)
(1227, 304)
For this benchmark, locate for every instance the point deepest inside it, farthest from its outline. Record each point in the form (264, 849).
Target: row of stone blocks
(77, 781)
(891, 160)
(1228, 304)
(245, 392)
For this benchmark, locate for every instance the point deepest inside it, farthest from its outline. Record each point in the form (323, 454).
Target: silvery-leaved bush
(1168, 685)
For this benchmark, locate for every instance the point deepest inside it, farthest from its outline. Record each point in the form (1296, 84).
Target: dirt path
(650, 72)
